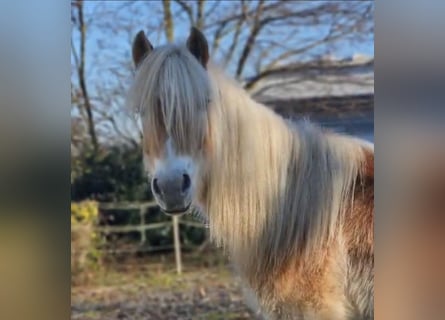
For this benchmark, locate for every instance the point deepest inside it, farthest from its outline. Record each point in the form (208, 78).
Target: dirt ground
(147, 293)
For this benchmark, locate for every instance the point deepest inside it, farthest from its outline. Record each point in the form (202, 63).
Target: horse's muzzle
(173, 193)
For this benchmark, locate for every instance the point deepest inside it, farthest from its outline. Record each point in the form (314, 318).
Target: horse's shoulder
(359, 216)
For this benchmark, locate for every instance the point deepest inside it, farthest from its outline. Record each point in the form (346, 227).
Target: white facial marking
(173, 163)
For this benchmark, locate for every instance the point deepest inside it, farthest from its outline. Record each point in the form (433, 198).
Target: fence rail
(143, 226)
(127, 205)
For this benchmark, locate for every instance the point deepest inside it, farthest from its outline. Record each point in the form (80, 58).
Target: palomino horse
(291, 204)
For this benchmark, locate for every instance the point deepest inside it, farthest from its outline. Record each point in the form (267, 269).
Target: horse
(289, 202)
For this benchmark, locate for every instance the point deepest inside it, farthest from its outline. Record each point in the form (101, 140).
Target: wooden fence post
(177, 243)
(142, 219)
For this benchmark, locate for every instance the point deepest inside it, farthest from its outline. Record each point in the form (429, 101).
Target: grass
(148, 289)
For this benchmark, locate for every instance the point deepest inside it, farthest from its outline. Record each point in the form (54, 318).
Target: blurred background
(302, 58)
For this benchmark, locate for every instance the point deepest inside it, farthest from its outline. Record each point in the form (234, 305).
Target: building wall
(324, 107)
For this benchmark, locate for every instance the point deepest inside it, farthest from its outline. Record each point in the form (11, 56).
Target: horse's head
(172, 93)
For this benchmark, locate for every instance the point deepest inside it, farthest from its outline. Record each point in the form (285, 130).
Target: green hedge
(115, 174)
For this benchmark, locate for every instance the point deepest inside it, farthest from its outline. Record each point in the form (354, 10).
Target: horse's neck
(252, 146)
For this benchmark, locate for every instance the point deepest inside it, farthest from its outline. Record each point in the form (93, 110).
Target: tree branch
(255, 30)
(217, 37)
(116, 128)
(200, 14)
(168, 20)
(212, 8)
(188, 10)
(245, 14)
(299, 51)
(236, 35)
(315, 66)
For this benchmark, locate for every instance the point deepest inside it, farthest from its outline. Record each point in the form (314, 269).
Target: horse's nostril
(186, 182)
(156, 187)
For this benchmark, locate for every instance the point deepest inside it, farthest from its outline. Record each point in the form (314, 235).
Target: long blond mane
(171, 93)
(274, 189)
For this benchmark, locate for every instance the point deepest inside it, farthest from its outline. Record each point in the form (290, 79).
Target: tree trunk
(82, 83)
(168, 20)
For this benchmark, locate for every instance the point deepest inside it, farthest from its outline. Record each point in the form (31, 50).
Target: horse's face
(175, 100)
(173, 178)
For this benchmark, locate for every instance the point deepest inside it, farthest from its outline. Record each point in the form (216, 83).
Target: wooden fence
(143, 226)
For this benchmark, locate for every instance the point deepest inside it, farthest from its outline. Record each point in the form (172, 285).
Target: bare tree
(251, 40)
(101, 73)
(255, 39)
(267, 37)
(85, 104)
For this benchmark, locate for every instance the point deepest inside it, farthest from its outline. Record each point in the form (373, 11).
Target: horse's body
(290, 203)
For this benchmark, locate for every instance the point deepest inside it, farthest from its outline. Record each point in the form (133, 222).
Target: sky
(139, 14)
(102, 65)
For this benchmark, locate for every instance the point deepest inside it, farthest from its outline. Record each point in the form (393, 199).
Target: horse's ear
(198, 46)
(141, 48)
